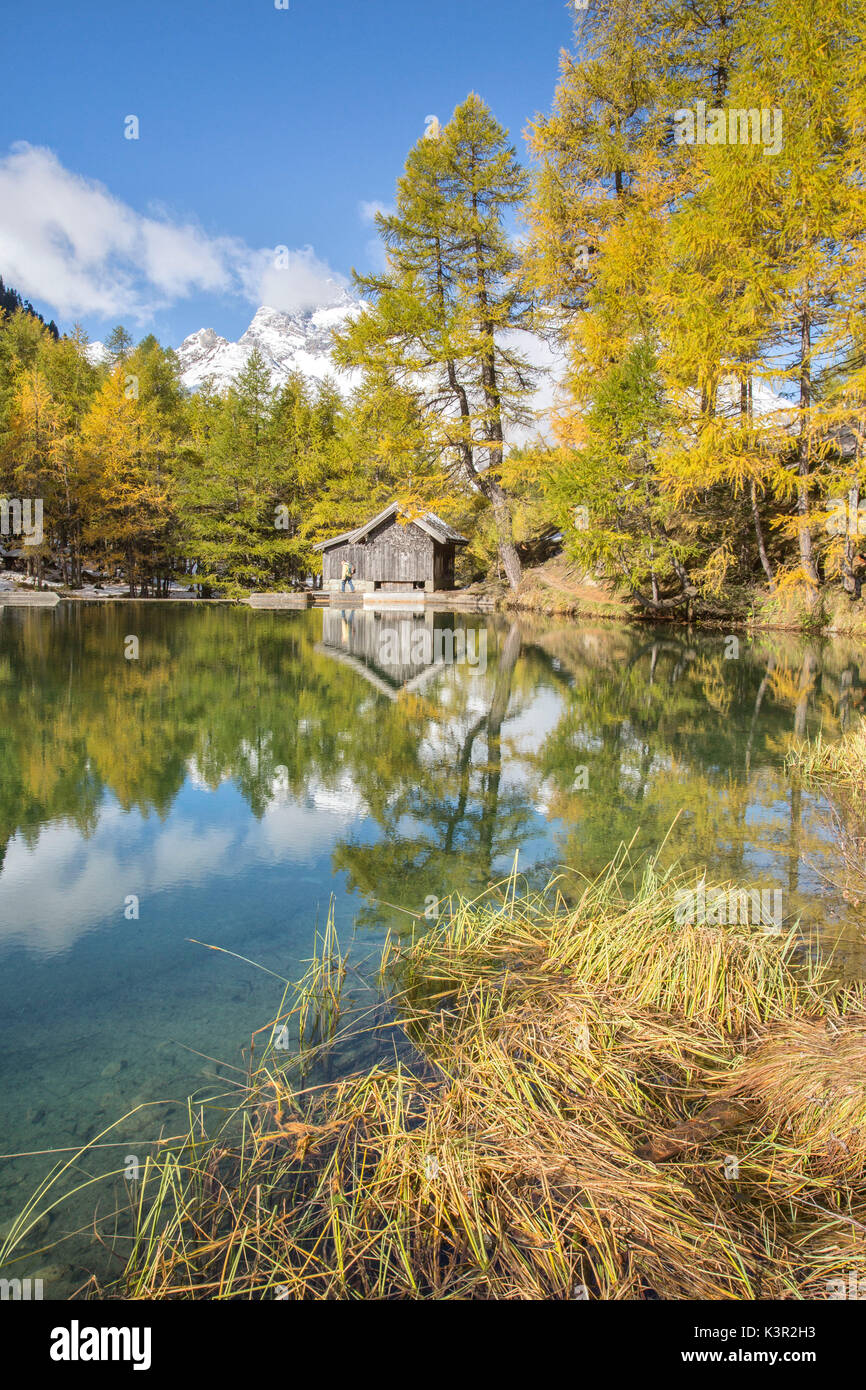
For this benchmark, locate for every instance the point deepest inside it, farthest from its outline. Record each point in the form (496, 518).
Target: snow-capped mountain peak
(204, 342)
(299, 342)
(97, 353)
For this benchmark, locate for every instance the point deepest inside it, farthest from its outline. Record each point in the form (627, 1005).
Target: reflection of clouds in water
(196, 779)
(521, 736)
(66, 886)
(534, 723)
(51, 896)
(544, 798)
(478, 703)
(303, 833)
(71, 885)
(441, 742)
(346, 800)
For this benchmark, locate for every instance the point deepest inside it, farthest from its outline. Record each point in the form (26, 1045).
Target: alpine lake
(251, 771)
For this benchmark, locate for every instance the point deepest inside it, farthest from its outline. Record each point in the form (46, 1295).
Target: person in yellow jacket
(346, 577)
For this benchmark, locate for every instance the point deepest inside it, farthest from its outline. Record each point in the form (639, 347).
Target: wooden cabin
(391, 555)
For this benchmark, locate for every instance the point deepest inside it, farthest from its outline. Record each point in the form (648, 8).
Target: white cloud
(62, 889)
(290, 280)
(67, 241)
(374, 247)
(369, 211)
(548, 362)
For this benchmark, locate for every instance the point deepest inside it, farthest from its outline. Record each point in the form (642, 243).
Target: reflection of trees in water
(661, 719)
(682, 742)
(446, 826)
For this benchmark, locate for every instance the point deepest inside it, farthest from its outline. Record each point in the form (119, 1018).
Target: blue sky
(259, 128)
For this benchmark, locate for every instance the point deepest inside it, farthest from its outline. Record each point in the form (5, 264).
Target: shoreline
(792, 616)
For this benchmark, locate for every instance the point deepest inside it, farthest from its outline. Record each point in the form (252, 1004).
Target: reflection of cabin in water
(393, 556)
(394, 651)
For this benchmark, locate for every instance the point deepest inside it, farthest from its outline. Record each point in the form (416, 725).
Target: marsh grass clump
(633, 944)
(590, 1101)
(837, 765)
(808, 1075)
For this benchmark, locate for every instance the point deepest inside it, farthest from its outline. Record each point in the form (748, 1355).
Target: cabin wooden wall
(393, 554)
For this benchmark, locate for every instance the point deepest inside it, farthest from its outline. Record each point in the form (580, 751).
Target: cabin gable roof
(435, 527)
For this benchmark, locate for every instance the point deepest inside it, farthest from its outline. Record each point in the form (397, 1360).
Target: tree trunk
(851, 581)
(804, 463)
(505, 535)
(759, 535)
(808, 672)
(746, 417)
(493, 400)
(508, 655)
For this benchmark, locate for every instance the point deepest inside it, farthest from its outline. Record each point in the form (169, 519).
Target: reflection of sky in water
(66, 885)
